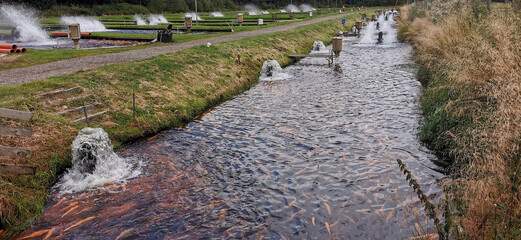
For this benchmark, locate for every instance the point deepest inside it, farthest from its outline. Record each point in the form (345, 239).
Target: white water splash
(388, 30)
(87, 24)
(94, 163)
(271, 71)
(292, 8)
(216, 14)
(252, 9)
(368, 34)
(265, 12)
(318, 46)
(306, 8)
(25, 22)
(155, 19)
(283, 10)
(193, 16)
(139, 20)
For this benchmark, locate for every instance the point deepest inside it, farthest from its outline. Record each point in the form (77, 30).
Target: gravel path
(52, 69)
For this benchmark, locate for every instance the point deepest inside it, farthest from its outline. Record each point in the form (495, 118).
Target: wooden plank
(89, 117)
(310, 55)
(88, 107)
(59, 91)
(17, 169)
(58, 102)
(15, 114)
(14, 131)
(15, 152)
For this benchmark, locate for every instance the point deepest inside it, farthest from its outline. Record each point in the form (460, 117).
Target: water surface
(310, 157)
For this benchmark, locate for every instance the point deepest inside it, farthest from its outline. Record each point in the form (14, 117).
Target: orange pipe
(8, 46)
(18, 50)
(66, 33)
(4, 50)
(24, 50)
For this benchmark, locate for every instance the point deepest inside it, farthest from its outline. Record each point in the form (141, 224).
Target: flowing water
(309, 157)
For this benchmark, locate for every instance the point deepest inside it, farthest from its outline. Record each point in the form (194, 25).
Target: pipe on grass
(4, 50)
(8, 46)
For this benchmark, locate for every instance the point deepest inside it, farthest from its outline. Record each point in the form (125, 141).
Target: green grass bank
(471, 100)
(170, 90)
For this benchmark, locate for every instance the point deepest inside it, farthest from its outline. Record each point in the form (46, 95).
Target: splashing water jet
(252, 9)
(95, 163)
(271, 71)
(318, 46)
(216, 14)
(139, 20)
(155, 19)
(306, 8)
(25, 22)
(292, 8)
(87, 24)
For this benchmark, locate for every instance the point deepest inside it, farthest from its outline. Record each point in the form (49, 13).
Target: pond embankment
(170, 90)
(471, 100)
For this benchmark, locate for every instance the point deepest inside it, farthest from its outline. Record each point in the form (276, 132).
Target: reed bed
(470, 67)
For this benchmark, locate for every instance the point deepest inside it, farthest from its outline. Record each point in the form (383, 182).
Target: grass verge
(170, 90)
(472, 104)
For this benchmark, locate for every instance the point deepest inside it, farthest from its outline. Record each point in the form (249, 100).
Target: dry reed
(475, 59)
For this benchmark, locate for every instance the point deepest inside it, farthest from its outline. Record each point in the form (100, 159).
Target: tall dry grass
(472, 101)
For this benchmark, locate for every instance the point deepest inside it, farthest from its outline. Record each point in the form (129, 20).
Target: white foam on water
(318, 47)
(193, 15)
(368, 34)
(292, 8)
(139, 20)
(271, 71)
(216, 14)
(26, 23)
(252, 9)
(155, 19)
(94, 163)
(306, 8)
(87, 24)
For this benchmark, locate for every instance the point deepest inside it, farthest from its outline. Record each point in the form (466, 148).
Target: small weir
(308, 156)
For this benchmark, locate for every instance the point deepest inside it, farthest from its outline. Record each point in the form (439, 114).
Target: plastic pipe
(66, 33)
(8, 46)
(3, 50)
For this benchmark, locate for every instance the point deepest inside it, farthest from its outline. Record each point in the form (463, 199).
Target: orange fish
(70, 210)
(313, 221)
(122, 234)
(328, 208)
(222, 214)
(79, 223)
(301, 171)
(36, 234)
(327, 227)
(294, 215)
(49, 234)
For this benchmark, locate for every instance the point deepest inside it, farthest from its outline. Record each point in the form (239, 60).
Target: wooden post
(134, 104)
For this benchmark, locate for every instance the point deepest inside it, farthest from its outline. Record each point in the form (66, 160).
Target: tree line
(202, 5)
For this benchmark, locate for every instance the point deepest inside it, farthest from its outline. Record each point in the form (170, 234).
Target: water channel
(309, 157)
